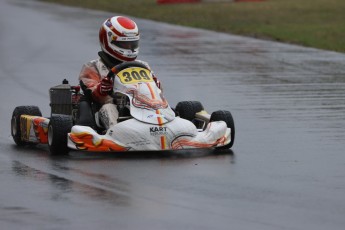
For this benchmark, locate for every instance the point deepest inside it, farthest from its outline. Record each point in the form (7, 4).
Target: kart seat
(87, 109)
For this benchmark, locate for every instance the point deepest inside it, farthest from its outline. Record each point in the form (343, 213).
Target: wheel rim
(14, 126)
(50, 135)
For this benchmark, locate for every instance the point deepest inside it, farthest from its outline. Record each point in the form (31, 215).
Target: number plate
(134, 75)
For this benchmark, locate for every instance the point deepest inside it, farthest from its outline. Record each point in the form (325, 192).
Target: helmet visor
(128, 45)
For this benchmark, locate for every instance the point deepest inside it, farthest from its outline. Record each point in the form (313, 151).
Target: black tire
(223, 115)
(15, 122)
(58, 128)
(188, 109)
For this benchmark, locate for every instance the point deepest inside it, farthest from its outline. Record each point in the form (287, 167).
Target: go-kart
(146, 121)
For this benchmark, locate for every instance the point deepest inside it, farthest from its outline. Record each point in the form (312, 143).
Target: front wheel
(58, 128)
(188, 109)
(16, 130)
(223, 115)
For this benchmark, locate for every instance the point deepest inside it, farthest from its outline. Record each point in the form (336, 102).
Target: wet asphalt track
(287, 168)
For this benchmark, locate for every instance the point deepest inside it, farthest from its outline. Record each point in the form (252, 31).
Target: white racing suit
(91, 74)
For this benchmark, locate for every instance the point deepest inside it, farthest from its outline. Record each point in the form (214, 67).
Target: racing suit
(91, 74)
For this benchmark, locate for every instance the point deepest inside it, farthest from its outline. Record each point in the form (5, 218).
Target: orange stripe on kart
(41, 132)
(159, 118)
(153, 95)
(180, 144)
(85, 141)
(163, 142)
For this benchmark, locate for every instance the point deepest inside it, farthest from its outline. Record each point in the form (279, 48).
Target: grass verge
(313, 23)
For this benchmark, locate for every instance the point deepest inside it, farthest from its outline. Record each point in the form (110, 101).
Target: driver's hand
(105, 87)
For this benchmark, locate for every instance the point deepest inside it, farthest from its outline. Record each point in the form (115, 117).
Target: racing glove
(105, 87)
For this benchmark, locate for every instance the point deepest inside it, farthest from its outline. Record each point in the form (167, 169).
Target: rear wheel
(223, 115)
(188, 109)
(58, 128)
(15, 122)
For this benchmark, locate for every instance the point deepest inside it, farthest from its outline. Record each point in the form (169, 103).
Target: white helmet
(119, 37)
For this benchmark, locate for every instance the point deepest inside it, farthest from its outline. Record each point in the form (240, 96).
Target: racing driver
(119, 40)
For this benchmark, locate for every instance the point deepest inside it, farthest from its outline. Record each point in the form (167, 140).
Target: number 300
(134, 75)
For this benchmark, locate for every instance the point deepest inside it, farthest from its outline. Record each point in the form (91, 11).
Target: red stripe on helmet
(126, 23)
(108, 24)
(102, 35)
(115, 31)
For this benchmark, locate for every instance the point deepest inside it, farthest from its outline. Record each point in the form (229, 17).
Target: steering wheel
(116, 69)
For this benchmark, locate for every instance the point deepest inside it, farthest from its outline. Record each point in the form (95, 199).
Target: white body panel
(134, 135)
